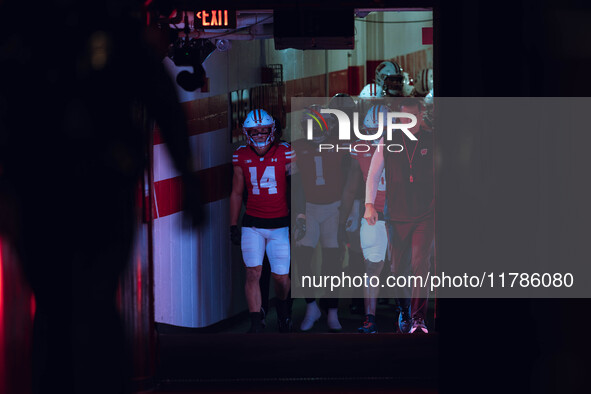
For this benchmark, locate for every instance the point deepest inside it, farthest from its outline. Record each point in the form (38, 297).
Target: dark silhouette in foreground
(71, 155)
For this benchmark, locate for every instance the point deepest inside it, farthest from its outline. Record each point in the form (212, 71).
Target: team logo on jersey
(273, 159)
(248, 161)
(423, 152)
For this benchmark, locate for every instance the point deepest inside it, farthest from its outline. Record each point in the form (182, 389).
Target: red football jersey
(321, 171)
(359, 153)
(265, 179)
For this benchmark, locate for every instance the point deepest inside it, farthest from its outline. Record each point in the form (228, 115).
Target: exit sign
(215, 19)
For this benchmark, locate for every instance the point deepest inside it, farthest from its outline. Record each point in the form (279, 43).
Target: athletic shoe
(418, 326)
(312, 315)
(404, 321)
(369, 326)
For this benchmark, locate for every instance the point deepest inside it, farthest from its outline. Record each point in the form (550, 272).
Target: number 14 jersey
(265, 179)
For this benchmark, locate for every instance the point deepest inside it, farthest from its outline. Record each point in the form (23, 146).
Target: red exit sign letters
(215, 19)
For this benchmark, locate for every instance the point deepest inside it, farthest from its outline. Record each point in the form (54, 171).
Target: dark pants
(416, 239)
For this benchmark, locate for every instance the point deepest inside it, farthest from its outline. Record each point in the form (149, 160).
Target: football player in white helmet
(263, 167)
(371, 91)
(259, 128)
(389, 77)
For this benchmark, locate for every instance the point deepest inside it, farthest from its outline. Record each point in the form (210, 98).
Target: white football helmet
(371, 94)
(424, 81)
(389, 77)
(259, 128)
(371, 122)
(371, 91)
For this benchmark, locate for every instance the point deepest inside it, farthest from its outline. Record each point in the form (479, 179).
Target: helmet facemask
(260, 137)
(259, 128)
(393, 85)
(389, 77)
